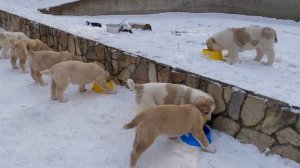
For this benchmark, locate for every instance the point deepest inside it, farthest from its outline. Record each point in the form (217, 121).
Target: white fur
(154, 94)
(225, 41)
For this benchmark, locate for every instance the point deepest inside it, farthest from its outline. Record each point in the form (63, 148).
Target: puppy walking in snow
(20, 51)
(171, 120)
(152, 94)
(236, 40)
(42, 60)
(76, 72)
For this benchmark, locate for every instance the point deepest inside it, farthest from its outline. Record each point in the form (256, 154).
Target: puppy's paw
(15, 67)
(210, 148)
(53, 98)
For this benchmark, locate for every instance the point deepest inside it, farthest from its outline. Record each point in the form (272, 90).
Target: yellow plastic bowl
(214, 55)
(100, 89)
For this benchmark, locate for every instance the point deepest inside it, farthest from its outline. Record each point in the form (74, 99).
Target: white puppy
(236, 40)
(152, 94)
(5, 44)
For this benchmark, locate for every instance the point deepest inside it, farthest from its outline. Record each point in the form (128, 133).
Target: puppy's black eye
(206, 113)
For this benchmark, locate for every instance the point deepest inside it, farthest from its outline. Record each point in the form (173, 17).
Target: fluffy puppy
(5, 37)
(171, 120)
(20, 51)
(235, 40)
(76, 72)
(152, 94)
(42, 60)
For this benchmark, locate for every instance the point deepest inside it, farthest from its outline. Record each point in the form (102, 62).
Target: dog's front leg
(200, 136)
(233, 56)
(22, 63)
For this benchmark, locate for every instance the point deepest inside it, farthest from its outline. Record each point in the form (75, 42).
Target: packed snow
(178, 38)
(86, 131)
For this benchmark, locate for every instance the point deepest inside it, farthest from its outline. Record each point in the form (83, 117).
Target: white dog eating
(236, 40)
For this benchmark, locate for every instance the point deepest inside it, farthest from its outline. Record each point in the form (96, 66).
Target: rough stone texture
(125, 73)
(276, 119)
(71, 44)
(297, 125)
(108, 66)
(203, 84)
(217, 92)
(178, 77)
(236, 101)
(288, 135)
(192, 81)
(126, 59)
(287, 151)
(77, 47)
(100, 52)
(115, 65)
(115, 54)
(140, 75)
(253, 110)
(262, 141)
(227, 94)
(164, 75)
(226, 125)
(152, 73)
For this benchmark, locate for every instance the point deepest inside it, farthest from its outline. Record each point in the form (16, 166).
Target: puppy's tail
(134, 122)
(131, 84)
(46, 72)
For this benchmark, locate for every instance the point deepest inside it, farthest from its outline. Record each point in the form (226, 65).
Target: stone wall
(255, 119)
(287, 9)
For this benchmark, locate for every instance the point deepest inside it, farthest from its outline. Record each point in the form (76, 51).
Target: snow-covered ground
(178, 38)
(86, 131)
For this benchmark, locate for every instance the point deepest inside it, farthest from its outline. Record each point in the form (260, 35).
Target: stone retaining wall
(255, 119)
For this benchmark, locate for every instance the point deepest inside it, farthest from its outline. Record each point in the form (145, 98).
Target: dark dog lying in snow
(94, 24)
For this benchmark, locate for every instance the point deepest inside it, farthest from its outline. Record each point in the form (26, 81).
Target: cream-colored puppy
(20, 51)
(5, 44)
(235, 40)
(171, 120)
(42, 60)
(152, 94)
(76, 72)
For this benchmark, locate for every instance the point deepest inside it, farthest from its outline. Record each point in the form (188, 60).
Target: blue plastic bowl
(190, 139)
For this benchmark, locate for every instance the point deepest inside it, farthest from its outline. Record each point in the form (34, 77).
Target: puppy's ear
(203, 104)
(210, 42)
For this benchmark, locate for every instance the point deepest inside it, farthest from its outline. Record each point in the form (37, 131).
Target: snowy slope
(86, 131)
(178, 38)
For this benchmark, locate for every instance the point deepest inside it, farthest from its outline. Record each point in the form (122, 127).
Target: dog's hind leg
(271, 56)
(40, 79)
(59, 90)
(53, 88)
(33, 75)
(13, 61)
(259, 54)
(22, 63)
(143, 140)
